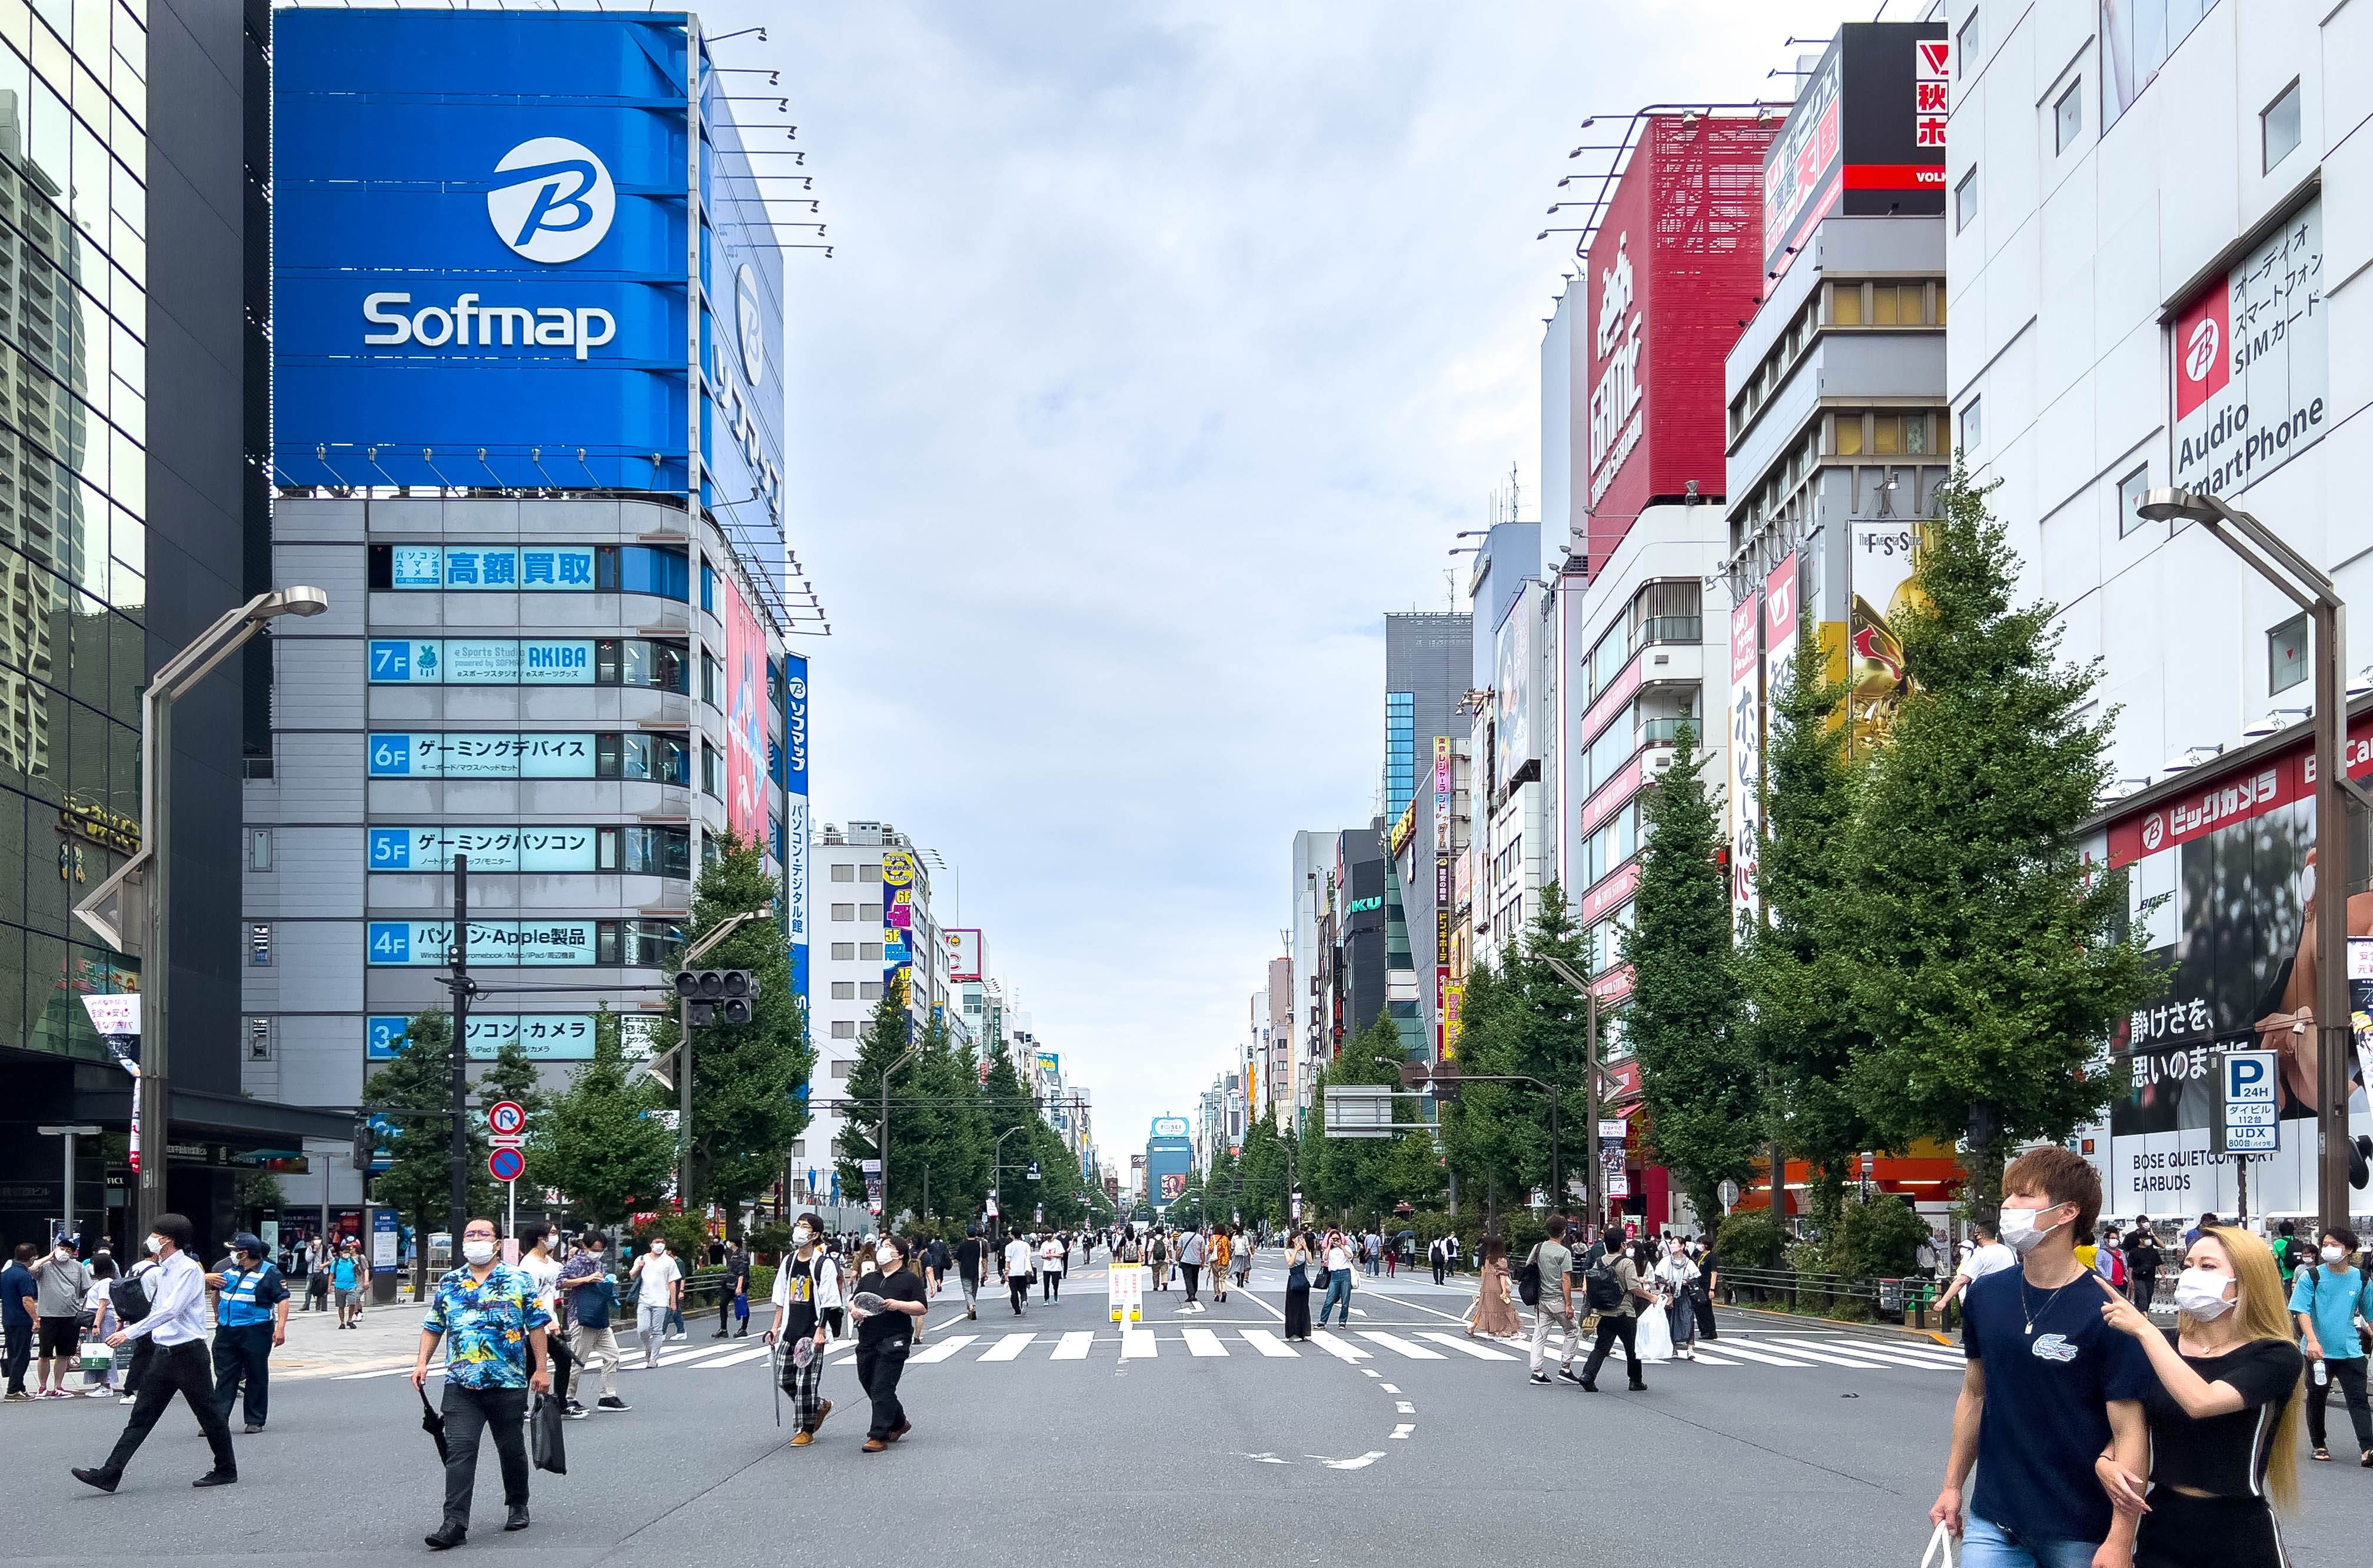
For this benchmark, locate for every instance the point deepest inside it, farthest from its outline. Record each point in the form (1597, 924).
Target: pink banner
(745, 716)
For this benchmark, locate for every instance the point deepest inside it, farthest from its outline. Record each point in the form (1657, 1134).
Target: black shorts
(60, 1336)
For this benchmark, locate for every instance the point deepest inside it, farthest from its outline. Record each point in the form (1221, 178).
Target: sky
(1163, 349)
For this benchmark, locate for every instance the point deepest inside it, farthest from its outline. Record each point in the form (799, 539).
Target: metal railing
(1803, 1291)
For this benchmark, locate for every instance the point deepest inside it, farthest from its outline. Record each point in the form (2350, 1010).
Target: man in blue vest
(251, 1317)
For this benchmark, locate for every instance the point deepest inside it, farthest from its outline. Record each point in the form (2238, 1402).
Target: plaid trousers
(805, 1385)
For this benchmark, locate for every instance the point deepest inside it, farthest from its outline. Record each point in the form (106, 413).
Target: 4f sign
(552, 201)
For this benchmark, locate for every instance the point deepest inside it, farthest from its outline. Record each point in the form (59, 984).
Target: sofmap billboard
(794, 817)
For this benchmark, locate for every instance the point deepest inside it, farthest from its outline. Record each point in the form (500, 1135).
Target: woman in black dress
(1297, 1288)
(2223, 1422)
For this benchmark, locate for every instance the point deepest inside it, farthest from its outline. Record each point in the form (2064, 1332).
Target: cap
(248, 1242)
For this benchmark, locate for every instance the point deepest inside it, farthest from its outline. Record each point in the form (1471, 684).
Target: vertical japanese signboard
(1444, 777)
(794, 817)
(1746, 746)
(2252, 363)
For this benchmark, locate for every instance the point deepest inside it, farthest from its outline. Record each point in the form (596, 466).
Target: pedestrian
(539, 1237)
(347, 1280)
(969, 1253)
(798, 1330)
(1017, 1271)
(658, 1283)
(1241, 1248)
(176, 1324)
(885, 1331)
(1493, 1314)
(2206, 1222)
(1546, 1268)
(1339, 1279)
(98, 1305)
(1612, 1289)
(2327, 1299)
(1436, 1256)
(60, 1281)
(2289, 1252)
(1052, 1256)
(832, 1293)
(20, 1299)
(1192, 1252)
(2223, 1418)
(317, 1277)
(491, 1322)
(2142, 1264)
(1221, 1255)
(250, 1320)
(590, 1298)
(1159, 1254)
(1989, 1256)
(1709, 1277)
(1297, 1286)
(734, 1294)
(1680, 1275)
(2050, 1385)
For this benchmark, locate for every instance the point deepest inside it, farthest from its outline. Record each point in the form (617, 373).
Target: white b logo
(2200, 354)
(2153, 831)
(748, 325)
(558, 203)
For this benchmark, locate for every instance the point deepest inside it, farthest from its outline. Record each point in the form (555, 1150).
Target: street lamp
(132, 910)
(2306, 585)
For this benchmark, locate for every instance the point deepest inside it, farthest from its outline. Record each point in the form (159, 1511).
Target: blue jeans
(1983, 1545)
(1338, 1288)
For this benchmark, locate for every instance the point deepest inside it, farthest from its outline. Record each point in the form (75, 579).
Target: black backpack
(1601, 1291)
(130, 1297)
(1528, 1279)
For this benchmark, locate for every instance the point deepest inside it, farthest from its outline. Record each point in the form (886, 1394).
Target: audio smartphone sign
(2252, 364)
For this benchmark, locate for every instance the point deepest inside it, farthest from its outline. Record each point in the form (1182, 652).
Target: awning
(195, 1112)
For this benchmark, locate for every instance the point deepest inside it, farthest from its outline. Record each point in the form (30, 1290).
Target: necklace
(2035, 1312)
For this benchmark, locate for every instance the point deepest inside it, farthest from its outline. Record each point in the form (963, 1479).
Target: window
(844, 874)
(2278, 128)
(1973, 425)
(1669, 612)
(869, 991)
(844, 950)
(869, 873)
(2286, 655)
(844, 911)
(1965, 46)
(646, 851)
(259, 849)
(870, 913)
(871, 950)
(712, 679)
(259, 1039)
(642, 568)
(1845, 304)
(259, 946)
(660, 758)
(1965, 201)
(2068, 117)
(711, 773)
(708, 588)
(799, 1148)
(2131, 490)
(844, 990)
(639, 662)
(1849, 441)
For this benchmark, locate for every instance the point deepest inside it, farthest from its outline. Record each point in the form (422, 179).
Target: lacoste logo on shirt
(2056, 1347)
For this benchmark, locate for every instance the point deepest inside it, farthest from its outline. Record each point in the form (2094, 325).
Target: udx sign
(2251, 1104)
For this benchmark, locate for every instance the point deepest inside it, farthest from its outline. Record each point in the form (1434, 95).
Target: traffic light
(363, 1145)
(716, 996)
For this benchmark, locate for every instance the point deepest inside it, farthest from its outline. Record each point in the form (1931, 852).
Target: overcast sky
(1164, 348)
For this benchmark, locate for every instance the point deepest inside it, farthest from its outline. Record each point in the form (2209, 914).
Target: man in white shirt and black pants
(176, 1326)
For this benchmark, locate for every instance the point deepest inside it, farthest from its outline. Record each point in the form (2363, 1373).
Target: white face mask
(2200, 1293)
(478, 1251)
(802, 1235)
(2333, 1255)
(2019, 1231)
(155, 1244)
(659, 1249)
(886, 1256)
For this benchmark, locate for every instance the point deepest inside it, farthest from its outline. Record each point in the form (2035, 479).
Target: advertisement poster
(794, 817)
(745, 715)
(1746, 748)
(897, 920)
(1880, 590)
(2220, 888)
(2252, 363)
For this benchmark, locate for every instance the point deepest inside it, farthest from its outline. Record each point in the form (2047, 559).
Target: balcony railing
(1665, 732)
(1670, 628)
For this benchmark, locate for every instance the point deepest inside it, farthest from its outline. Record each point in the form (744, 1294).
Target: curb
(1926, 1335)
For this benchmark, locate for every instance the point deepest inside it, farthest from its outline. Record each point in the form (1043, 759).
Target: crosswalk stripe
(1339, 1349)
(387, 1372)
(673, 1358)
(1399, 1346)
(1732, 1347)
(1829, 1357)
(1136, 1344)
(1008, 1348)
(1269, 1344)
(737, 1359)
(944, 1349)
(1074, 1346)
(1459, 1343)
(1202, 1342)
(1886, 1353)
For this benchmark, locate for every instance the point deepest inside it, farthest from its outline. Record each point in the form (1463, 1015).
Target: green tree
(418, 1182)
(1796, 963)
(949, 1136)
(1698, 1079)
(749, 1081)
(887, 1038)
(1991, 960)
(600, 1143)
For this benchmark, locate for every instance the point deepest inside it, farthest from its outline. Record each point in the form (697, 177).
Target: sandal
(2324, 1455)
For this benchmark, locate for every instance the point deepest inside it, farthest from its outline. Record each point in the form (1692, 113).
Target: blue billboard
(482, 271)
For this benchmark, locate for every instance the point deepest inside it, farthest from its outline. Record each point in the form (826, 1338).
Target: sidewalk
(388, 1335)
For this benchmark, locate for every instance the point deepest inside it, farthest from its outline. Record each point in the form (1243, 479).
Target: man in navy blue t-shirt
(2050, 1386)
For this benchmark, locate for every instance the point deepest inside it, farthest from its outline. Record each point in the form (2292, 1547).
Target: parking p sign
(2251, 1091)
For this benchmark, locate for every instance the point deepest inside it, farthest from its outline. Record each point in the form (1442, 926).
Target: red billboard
(1675, 267)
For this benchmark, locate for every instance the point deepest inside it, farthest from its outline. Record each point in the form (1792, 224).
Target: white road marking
(942, 1350)
(1464, 1346)
(737, 1359)
(1136, 1344)
(1074, 1346)
(1338, 1347)
(1269, 1344)
(1403, 1431)
(1732, 1347)
(1009, 1347)
(1362, 1463)
(1795, 1350)
(1399, 1346)
(1388, 1388)
(1404, 1407)
(1203, 1343)
(1268, 1460)
(1883, 1353)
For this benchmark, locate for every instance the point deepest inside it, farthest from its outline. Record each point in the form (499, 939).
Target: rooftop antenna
(1516, 494)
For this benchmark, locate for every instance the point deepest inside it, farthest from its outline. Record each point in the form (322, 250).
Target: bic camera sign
(553, 204)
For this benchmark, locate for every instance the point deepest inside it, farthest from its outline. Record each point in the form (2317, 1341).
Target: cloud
(1163, 350)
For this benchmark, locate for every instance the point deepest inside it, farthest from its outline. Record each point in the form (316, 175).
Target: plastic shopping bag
(1942, 1547)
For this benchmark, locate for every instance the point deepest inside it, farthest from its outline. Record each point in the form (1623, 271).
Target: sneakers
(802, 1438)
(612, 1402)
(1568, 1375)
(1542, 1378)
(251, 1431)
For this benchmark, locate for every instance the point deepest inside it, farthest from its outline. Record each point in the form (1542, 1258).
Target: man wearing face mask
(175, 1324)
(490, 1318)
(2048, 1389)
(251, 1317)
(660, 1279)
(2326, 1298)
(799, 1327)
(60, 1281)
(887, 1303)
(587, 1297)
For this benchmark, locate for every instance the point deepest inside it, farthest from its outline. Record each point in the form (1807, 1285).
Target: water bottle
(2323, 1374)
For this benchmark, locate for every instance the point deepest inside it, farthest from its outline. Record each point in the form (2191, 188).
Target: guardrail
(1803, 1291)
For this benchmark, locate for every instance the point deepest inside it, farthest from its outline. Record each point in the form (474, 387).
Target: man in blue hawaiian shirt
(489, 1317)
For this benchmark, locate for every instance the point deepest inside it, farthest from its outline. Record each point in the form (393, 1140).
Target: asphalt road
(1220, 1443)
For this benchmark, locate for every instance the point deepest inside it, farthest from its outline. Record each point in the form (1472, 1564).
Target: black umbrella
(431, 1423)
(775, 1369)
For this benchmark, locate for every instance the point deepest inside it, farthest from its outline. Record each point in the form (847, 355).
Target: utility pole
(462, 988)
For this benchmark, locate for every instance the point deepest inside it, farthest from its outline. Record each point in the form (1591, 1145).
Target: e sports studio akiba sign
(479, 250)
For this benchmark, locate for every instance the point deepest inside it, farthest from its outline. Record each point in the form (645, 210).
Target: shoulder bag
(1528, 1278)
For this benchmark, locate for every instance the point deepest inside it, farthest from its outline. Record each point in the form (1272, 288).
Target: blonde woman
(2224, 1421)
